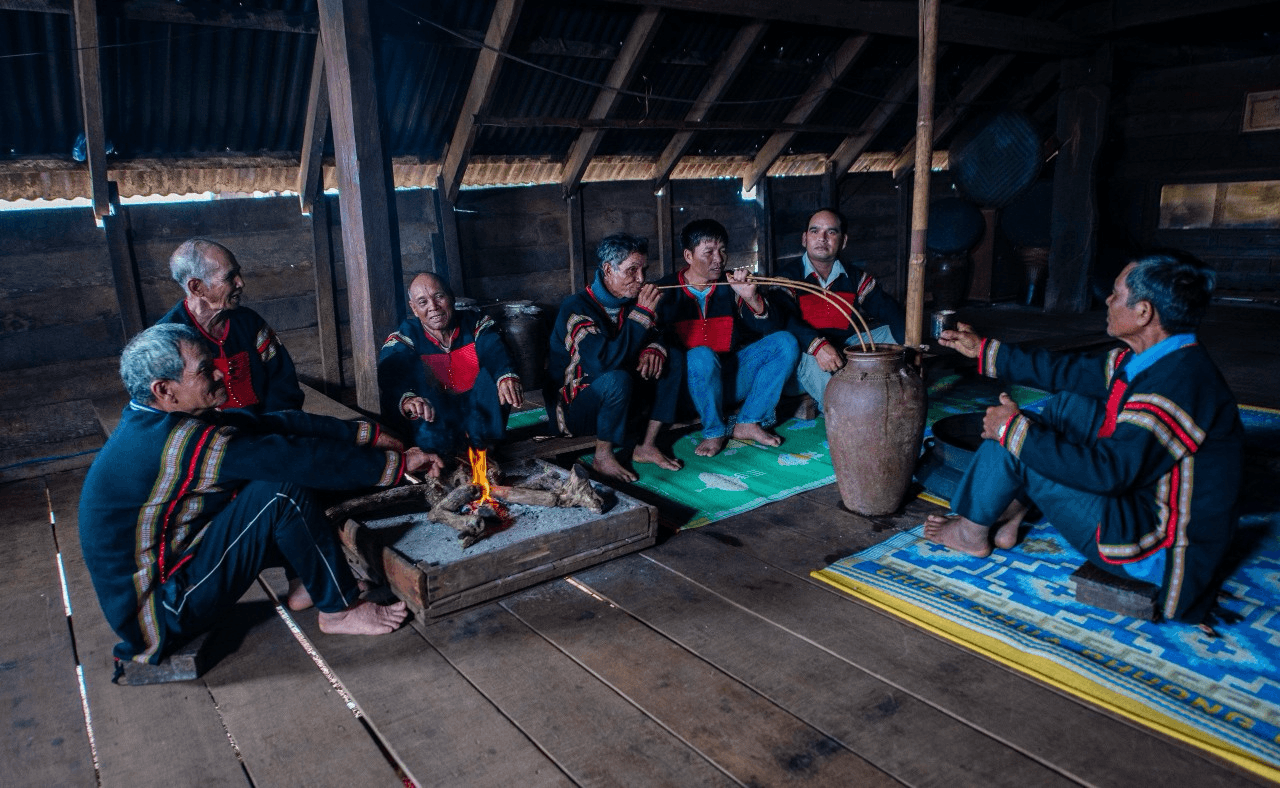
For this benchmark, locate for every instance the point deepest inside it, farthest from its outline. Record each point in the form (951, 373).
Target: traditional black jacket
(726, 324)
(816, 322)
(1167, 456)
(412, 364)
(259, 373)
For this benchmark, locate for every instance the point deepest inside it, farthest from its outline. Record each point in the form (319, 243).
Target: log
(414, 497)
(525, 495)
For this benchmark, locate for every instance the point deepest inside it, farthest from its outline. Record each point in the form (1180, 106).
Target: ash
(421, 539)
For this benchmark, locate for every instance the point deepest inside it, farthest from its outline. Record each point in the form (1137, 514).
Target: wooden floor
(710, 659)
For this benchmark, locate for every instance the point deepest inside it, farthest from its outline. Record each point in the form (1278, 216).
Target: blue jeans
(754, 376)
(812, 379)
(995, 478)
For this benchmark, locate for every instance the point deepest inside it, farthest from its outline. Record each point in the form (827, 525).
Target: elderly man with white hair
(184, 505)
(259, 373)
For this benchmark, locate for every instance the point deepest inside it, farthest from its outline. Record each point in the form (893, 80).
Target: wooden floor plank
(899, 734)
(144, 735)
(291, 726)
(1083, 744)
(595, 735)
(45, 741)
(440, 727)
(748, 736)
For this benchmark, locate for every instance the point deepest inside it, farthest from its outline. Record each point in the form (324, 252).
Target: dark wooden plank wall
(1182, 125)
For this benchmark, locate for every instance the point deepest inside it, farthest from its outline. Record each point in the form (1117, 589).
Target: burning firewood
(469, 526)
(549, 490)
(414, 497)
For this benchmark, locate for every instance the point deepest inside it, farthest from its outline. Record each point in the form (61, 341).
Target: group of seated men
(212, 473)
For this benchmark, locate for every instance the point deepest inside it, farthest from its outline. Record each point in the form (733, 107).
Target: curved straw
(839, 303)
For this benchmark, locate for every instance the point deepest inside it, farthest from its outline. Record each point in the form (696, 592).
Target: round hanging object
(996, 158)
(954, 226)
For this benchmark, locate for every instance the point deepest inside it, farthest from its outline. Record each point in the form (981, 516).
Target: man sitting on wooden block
(1137, 462)
(447, 374)
(822, 330)
(736, 347)
(184, 505)
(606, 359)
(260, 377)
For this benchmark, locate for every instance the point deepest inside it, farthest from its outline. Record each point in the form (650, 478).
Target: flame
(480, 478)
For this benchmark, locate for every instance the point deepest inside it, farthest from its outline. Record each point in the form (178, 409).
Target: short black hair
(844, 223)
(700, 230)
(1178, 285)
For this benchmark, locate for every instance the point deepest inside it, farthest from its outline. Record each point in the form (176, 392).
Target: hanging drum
(995, 158)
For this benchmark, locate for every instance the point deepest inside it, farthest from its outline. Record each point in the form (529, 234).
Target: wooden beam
(928, 59)
(727, 69)
(1073, 229)
(124, 266)
(641, 35)
(577, 243)
(957, 25)
(326, 298)
(1110, 17)
(829, 74)
(852, 147)
(369, 255)
(764, 229)
(170, 12)
(85, 22)
(830, 187)
(691, 127)
(452, 267)
(502, 26)
(973, 87)
(311, 170)
(666, 238)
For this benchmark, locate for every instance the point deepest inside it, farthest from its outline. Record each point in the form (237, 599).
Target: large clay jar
(875, 411)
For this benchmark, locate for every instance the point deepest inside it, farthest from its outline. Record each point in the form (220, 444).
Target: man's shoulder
(175, 315)
(792, 269)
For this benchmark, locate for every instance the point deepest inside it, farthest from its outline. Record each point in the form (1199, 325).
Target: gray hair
(155, 354)
(1178, 285)
(615, 248)
(191, 261)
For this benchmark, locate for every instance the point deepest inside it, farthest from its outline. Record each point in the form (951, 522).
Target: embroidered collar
(603, 297)
(1140, 362)
(837, 270)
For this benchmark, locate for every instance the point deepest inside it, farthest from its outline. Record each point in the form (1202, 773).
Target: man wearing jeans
(736, 348)
(1137, 458)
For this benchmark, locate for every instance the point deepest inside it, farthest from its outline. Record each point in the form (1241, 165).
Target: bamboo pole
(928, 52)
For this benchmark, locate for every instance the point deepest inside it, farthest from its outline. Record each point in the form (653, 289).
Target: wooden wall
(59, 318)
(1183, 125)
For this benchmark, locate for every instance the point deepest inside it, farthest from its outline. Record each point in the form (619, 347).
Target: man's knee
(702, 361)
(613, 386)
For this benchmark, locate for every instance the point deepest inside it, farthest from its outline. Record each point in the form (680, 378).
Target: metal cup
(943, 320)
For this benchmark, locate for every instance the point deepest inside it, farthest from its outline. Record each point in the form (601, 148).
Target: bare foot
(364, 618)
(651, 454)
(606, 464)
(710, 447)
(1010, 522)
(299, 597)
(958, 533)
(754, 432)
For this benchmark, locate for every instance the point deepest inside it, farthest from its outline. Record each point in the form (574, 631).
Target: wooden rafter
(973, 87)
(852, 147)
(731, 63)
(1109, 17)
(831, 72)
(87, 57)
(958, 25)
(311, 170)
(174, 13)
(624, 68)
(502, 26)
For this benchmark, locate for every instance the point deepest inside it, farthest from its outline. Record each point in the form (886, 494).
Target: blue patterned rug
(1018, 607)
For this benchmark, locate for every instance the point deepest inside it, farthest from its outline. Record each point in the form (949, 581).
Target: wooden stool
(1098, 587)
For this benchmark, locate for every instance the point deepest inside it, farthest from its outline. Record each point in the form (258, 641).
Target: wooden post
(577, 244)
(370, 257)
(830, 190)
(326, 301)
(311, 169)
(124, 268)
(666, 256)
(87, 56)
(764, 231)
(928, 50)
(449, 236)
(1073, 231)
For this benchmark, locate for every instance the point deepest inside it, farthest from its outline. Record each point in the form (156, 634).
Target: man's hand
(651, 364)
(649, 297)
(418, 408)
(510, 392)
(962, 339)
(829, 359)
(737, 279)
(387, 442)
(417, 461)
(998, 416)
